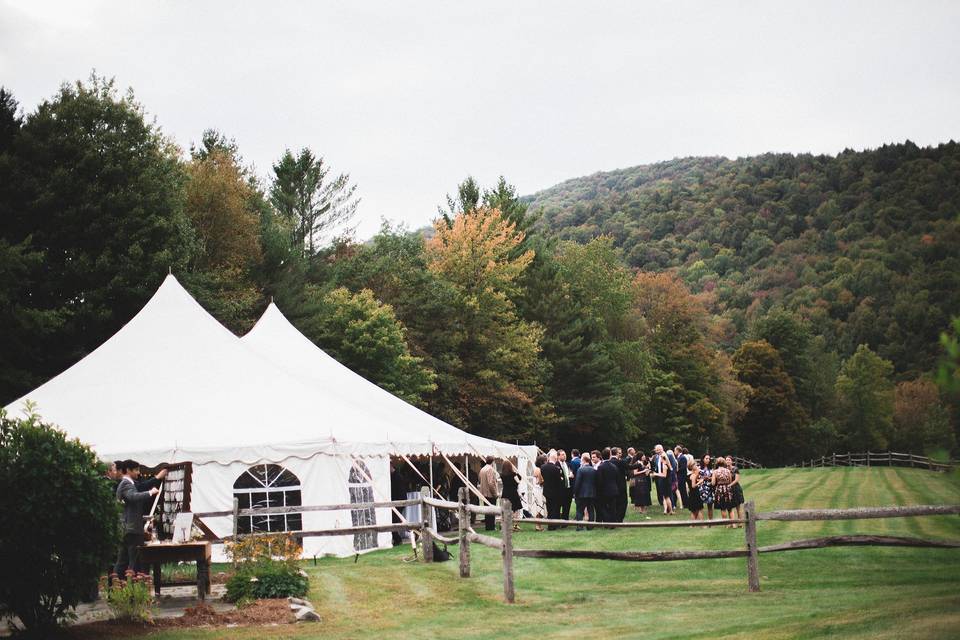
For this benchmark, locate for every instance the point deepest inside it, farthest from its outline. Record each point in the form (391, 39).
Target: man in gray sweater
(133, 508)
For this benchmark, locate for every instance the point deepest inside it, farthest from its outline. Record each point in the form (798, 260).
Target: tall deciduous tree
(501, 374)
(221, 205)
(865, 393)
(770, 428)
(364, 334)
(315, 202)
(687, 403)
(921, 421)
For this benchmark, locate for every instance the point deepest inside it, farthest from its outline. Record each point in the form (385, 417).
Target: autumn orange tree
(690, 392)
(921, 420)
(498, 370)
(221, 204)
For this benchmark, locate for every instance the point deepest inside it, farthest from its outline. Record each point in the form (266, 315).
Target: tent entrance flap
(466, 481)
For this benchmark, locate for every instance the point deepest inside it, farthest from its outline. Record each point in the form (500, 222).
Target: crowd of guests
(603, 483)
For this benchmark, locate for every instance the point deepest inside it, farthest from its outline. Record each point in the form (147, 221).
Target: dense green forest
(779, 306)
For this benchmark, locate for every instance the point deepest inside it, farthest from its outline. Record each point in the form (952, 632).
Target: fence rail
(877, 459)
(466, 536)
(744, 463)
(750, 551)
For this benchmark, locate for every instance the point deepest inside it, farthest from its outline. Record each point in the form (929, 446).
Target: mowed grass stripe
(853, 592)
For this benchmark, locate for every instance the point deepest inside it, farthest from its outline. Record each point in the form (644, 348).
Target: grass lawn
(859, 592)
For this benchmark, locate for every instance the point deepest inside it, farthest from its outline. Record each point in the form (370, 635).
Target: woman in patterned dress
(722, 495)
(735, 488)
(706, 485)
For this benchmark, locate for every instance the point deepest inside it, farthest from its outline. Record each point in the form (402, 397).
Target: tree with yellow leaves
(498, 370)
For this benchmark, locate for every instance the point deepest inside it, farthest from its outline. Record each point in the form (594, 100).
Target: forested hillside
(778, 307)
(865, 246)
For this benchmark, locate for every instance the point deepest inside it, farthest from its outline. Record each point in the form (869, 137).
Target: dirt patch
(259, 613)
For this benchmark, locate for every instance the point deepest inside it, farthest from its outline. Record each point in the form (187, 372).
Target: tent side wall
(324, 480)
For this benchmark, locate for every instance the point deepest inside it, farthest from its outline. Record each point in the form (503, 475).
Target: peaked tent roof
(276, 339)
(174, 385)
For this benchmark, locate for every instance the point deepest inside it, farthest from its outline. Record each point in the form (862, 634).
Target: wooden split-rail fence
(750, 551)
(466, 536)
(875, 459)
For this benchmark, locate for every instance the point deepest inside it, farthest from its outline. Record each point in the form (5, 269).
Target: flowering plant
(129, 598)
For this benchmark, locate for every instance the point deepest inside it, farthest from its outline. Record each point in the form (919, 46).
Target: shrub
(59, 522)
(267, 566)
(130, 598)
(273, 580)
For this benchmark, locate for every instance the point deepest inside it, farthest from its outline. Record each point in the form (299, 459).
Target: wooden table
(160, 553)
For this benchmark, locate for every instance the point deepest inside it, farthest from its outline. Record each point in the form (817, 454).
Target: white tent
(275, 339)
(175, 386)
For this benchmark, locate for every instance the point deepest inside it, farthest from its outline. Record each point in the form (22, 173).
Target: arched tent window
(361, 491)
(263, 486)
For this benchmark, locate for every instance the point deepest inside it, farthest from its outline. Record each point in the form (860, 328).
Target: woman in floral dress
(706, 485)
(722, 495)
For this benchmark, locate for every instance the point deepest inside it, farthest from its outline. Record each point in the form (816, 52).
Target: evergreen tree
(313, 203)
(583, 382)
(97, 191)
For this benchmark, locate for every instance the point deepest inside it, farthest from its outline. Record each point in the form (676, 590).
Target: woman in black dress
(641, 483)
(511, 482)
(735, 488)
(694, 502)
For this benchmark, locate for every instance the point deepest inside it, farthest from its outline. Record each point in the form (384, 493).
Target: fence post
(425, 538)
(506, 528)
(834, 458)
(750, 531)
(463, 525)
(868, 457)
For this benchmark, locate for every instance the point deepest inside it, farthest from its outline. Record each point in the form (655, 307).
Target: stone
(307, 615)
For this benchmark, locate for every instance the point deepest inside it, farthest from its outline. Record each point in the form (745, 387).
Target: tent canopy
(175, 385)
(276, 339)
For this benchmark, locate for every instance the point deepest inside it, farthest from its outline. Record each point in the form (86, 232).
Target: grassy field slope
(861, 592)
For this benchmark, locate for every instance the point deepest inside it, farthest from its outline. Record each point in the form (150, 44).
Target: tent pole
(433, 522)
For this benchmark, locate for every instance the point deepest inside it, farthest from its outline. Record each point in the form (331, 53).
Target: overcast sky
(410, 97)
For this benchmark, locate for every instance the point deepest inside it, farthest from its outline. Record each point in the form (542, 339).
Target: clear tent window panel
(361, 491)
(264, 486)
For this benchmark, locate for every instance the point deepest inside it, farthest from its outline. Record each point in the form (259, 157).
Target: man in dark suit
(585, 491)
(575, 460)
(607, 487)
(134, 506)
(623, 466)
(553, 488)
(681, 474)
